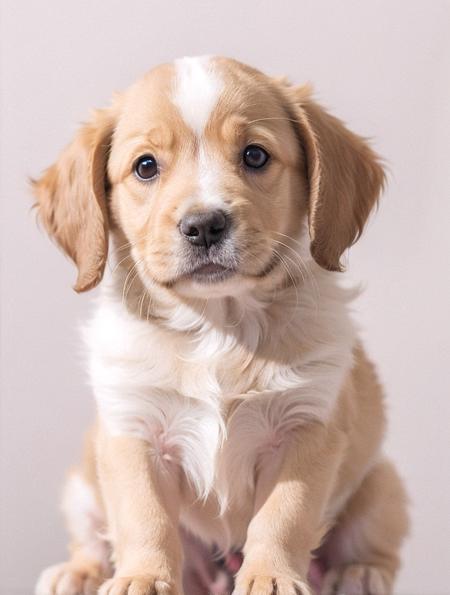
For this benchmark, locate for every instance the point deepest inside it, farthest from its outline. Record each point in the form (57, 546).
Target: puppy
(237, 410)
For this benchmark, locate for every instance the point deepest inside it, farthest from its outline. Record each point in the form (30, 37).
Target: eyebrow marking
(197, 91)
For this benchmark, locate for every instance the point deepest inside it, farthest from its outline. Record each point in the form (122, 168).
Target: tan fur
(71, 200)
(332, 494)
(345, 182)
(323, 464)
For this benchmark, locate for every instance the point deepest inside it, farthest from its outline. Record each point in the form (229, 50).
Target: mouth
(216, 269)
(211, 273)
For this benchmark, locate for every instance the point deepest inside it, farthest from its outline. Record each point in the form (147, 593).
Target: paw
(68, 579)
(138, 585)
(356, 579)
(270, 585)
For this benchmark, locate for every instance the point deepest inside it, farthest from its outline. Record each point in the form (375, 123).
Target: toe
(267, 585)
(355, 579)
(139, 585)
(68, 579)
(263, 585)
(142, 587)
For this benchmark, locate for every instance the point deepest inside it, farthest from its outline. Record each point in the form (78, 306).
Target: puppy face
(206, 166)
(205, 170)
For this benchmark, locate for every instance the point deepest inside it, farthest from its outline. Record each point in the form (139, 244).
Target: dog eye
(146, 168)
(255, 156)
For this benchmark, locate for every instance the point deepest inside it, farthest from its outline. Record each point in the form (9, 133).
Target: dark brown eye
(255, 156)
(146, 167)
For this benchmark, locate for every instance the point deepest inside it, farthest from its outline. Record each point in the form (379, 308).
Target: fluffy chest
(206, 405)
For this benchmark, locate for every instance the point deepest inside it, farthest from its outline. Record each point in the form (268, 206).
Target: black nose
(204, 229)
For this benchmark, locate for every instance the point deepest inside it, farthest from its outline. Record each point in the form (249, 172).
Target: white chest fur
(203, 401)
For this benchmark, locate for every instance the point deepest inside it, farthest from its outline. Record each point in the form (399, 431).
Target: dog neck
(283, 307)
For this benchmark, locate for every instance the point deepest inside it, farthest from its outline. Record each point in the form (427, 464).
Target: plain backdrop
(382, 66)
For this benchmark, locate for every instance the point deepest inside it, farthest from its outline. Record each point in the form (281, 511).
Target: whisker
(297, 301)
(125, 289)
(296, 120)
(296, 264)
(150, 303)
(123, 246)
(305, 266)
(141, 302)
(119, 263)
(309, 274)
(288, 271)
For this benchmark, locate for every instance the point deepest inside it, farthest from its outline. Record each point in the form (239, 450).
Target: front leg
(142, 509)
(288, 521)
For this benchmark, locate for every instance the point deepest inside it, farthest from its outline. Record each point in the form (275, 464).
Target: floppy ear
(71, 199)
(345, 180)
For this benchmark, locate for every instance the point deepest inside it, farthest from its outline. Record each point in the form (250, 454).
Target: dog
(238, 415)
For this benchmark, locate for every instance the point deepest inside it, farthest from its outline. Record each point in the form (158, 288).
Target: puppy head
(206, 166)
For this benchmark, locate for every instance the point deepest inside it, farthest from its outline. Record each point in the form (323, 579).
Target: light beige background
(384, 67)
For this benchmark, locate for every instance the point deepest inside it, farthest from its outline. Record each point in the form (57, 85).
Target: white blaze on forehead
(197, 91)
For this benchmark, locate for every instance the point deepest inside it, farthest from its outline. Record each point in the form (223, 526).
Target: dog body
(234, 398)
